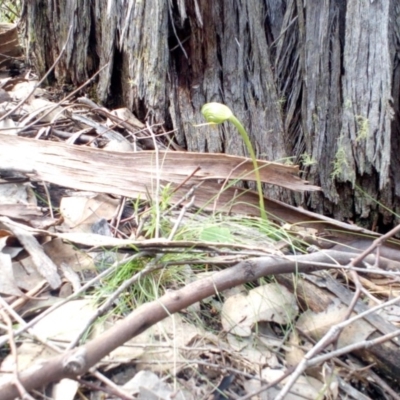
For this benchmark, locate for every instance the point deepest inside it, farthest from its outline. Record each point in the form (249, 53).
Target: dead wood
(317, 293)
(132, 173)
(9, 44)
(320, 79)
(80, 360)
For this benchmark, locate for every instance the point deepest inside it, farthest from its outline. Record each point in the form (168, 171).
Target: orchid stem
(217, 113)
(250, 149)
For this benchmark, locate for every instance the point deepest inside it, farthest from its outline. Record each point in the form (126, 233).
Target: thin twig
(225, 183)
(23, 323)
(179, 220)
(174, 30)
(107, 390)
(116, 219)
(186, 179)
(377, 242)
(43, 79)
(111, 299)
(174, 301)
(184, 198)
(269, 385)
(66, 300)
(382, 384)
(51, 109)
(23, 393)
(114, 388)
(352, 347)
(327, 338)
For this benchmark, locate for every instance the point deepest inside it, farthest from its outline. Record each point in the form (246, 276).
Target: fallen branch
(334, 332)
(128, 172)
(78, 361)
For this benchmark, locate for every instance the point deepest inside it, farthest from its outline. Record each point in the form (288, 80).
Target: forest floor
(131, 269)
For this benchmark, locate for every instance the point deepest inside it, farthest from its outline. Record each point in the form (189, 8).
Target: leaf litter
(103, 217)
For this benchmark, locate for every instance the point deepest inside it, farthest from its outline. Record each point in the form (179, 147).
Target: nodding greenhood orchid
(217, 113)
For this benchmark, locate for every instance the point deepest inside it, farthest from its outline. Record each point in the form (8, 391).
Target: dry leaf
(253, 350)
(305, 387)
(80, 213)
(62, 252)
(8, 285)
(43, 263)
(317, 325)
(65, 389)
(270, 302)
(148, 386)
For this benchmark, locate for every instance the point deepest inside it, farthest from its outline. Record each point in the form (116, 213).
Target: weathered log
(311, 81)
(9, 44)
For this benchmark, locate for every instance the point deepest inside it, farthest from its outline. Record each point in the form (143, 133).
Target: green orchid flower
(217, 113)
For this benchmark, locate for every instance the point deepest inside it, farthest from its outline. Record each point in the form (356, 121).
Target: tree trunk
(315, 80)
